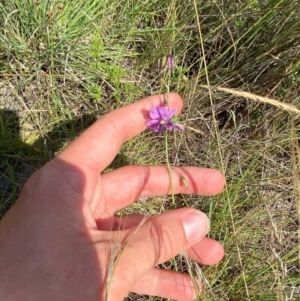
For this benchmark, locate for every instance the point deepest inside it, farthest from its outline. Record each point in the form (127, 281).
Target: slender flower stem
(169, 169)
(167, 149)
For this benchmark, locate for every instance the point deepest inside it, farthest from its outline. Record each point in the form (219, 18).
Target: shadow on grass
(18, 160)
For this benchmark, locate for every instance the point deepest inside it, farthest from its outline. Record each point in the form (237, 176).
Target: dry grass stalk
(273, 102)
(295, 163)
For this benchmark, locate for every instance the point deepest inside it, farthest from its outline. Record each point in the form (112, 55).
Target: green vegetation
(66, 63)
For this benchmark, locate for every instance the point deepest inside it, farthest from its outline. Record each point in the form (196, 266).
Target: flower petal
(171, 113)
(157, 128)
(161, 128)
(179, 127)
(154, 113)
(163, 112)
(169, 125)
(152, 122)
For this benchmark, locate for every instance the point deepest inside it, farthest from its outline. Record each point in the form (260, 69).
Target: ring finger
(207, 251)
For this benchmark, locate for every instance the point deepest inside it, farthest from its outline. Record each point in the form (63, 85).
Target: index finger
(99, 144)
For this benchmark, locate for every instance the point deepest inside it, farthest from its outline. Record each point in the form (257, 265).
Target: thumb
(157, 240)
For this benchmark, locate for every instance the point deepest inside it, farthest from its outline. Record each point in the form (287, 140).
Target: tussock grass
(66, 63)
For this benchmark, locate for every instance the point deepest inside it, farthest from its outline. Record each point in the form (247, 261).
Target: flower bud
(185, 81)
(163, 62)
(184, 181)
(170, 62)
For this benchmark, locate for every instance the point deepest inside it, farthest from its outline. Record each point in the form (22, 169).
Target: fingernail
(196, 226)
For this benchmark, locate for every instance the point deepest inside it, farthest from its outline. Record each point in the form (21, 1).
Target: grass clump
(65, 63)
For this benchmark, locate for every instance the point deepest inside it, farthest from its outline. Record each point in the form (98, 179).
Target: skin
(62, 240)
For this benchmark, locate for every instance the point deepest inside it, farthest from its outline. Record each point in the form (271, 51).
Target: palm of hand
(74, 248)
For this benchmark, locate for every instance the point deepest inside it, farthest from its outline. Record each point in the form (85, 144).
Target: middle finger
(134, 182)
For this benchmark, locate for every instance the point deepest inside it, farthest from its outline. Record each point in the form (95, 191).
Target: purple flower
(162, 119)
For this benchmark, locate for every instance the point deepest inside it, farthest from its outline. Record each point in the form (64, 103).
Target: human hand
(62, 240)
